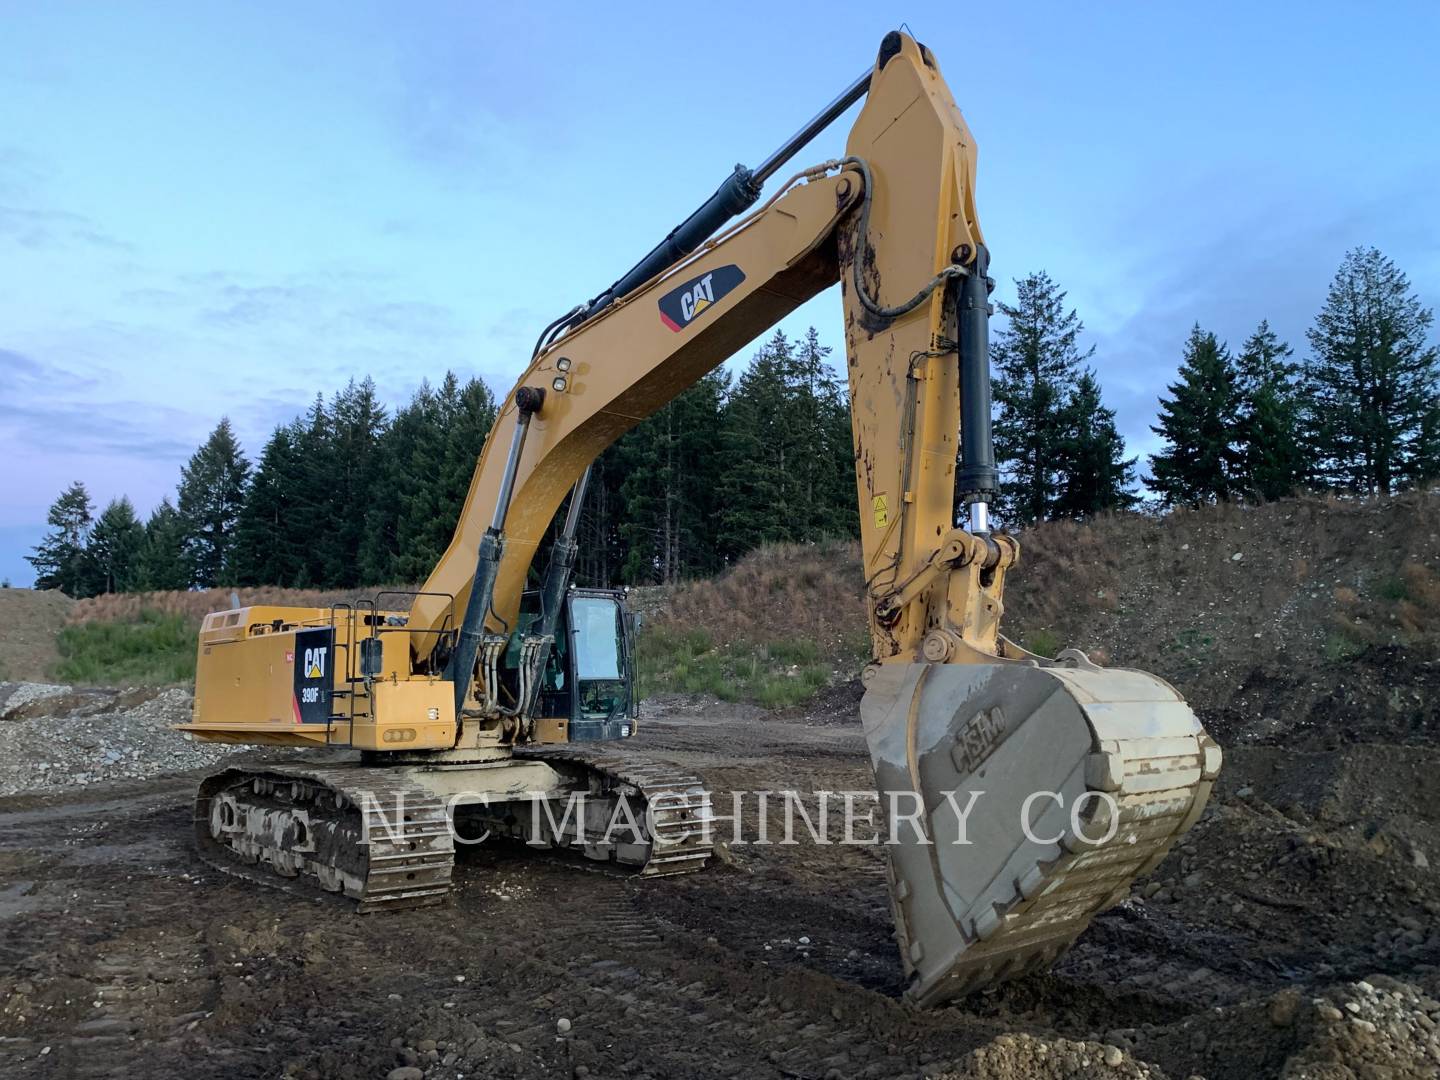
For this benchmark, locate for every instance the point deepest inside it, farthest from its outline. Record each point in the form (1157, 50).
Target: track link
(354, 830)
(680, 814)
(380, 837)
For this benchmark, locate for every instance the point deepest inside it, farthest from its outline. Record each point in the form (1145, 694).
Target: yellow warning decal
(882, 511)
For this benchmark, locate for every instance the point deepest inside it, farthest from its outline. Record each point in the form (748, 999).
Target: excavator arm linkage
(1026, 794)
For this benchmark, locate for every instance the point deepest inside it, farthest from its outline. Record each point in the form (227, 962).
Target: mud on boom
(476, 685)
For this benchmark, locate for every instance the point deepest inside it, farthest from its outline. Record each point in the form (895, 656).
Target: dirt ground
(1293, 935)
(31, 620)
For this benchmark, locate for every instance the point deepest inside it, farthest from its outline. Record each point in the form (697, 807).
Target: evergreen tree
(826, 453)
(114, 548)
(788, 466)
(425, 461)
(161, 563)
(400, 491)
(212, 491)
(1037, 360)
(1059, 451)
(311, 509)
(669, 465)
(351, 461)
(1200, 461)
(755, 486)
(467, 413)
(60, 559)
(602, 551)
(269, 548)
(1095, 474)
(1374, 380)
(1272, 457)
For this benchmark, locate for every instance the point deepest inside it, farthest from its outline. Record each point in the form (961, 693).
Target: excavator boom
(1027, 794)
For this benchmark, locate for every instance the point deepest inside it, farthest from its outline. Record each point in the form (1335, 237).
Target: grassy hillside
(194, 606)
(1285, 616)
(1268, 618)
(153, 649)
(1280, 612)
(783, 623)
(147, 639)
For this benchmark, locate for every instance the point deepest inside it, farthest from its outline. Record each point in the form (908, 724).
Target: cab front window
(597, 637)
(599, 656)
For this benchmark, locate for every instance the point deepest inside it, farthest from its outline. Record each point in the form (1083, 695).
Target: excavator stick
(1023, 795)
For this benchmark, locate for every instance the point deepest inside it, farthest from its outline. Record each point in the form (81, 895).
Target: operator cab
(587, 692)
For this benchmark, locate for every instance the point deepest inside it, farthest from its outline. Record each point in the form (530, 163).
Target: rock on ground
(54, 737)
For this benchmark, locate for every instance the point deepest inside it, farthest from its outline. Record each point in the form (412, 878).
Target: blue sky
(221, 208)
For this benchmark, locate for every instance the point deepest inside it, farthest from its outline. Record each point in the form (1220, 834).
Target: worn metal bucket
(1021, 800)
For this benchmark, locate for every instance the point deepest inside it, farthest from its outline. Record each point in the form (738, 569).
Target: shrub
(1043, 642)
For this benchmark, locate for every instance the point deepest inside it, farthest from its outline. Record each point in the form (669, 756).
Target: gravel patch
(16, 696)
(54, 737)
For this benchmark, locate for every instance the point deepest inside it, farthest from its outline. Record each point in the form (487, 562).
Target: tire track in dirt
(125, 956)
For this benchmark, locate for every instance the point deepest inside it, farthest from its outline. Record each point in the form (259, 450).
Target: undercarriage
(385, 836)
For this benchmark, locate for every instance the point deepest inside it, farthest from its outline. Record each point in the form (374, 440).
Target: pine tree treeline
(724, 468)
(340, 497)
(1057, 445)
(346, 495)
(1361, 414)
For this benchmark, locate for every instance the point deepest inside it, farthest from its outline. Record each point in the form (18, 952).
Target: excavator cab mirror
(372, 657)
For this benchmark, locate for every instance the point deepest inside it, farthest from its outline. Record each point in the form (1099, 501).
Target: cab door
(602, 667)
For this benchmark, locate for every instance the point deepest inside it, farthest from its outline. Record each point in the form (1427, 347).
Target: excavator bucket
(1022, 800)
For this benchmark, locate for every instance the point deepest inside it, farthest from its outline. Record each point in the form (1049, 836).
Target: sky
(214, 209)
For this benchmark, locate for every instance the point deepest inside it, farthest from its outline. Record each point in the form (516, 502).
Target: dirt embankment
(29, 621)
(1300, 622)
(195, 604)
(1297, 622)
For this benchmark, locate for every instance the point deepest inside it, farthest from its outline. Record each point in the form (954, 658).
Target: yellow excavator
(1026, 794)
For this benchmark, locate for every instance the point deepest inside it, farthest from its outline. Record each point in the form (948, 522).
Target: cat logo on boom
(687, 302)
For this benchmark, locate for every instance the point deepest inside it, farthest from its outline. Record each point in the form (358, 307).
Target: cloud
(17, 366)
(41, 410)
(23, 375)
(467, 105)
(340, 306)
(21, 173)
(250, 305)
(131, 428)
(46, 229)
